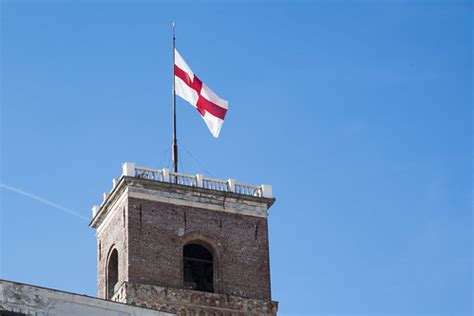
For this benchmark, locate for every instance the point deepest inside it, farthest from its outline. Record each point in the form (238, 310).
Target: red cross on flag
(190, 88)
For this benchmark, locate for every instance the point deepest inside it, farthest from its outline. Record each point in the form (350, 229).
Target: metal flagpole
(175, 144)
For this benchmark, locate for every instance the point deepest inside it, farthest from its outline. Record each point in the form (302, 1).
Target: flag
(188, 86)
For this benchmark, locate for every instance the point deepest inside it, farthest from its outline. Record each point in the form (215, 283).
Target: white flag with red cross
(188, 86)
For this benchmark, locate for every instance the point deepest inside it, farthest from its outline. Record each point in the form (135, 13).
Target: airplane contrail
(42, 200)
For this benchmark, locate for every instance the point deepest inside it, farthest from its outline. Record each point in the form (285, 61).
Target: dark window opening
(198, 268)
(112, 273)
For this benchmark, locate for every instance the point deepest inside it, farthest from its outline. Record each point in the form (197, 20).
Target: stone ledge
(183, 302)
(183, 195)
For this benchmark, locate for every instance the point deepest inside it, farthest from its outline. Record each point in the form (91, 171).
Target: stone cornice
(182, 195)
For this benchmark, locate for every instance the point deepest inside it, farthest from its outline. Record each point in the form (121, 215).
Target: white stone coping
(178, 195)
(165, 175)
(130, 169)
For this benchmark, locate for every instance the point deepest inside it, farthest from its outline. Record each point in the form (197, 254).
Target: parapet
(163, 185)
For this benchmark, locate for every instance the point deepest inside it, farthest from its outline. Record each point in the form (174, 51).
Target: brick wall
(158, 232)
(113, 235)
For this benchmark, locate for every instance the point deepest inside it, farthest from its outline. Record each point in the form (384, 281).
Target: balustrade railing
(248, 189)
(165, 175)
(183, 179)
(150, 174)
(215, 184)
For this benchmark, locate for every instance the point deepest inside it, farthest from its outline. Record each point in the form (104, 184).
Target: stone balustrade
(198, 180)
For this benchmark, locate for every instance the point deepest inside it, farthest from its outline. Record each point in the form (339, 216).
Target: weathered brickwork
(113, 236)
(158, 235)
(149, 223)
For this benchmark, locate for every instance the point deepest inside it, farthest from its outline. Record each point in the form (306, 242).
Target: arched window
(198, 268)
(112, 273)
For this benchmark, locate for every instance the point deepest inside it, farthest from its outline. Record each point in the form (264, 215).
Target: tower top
(185, 244)
(196, 185)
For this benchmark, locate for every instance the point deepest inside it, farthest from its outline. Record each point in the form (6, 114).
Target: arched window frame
(209, 245)
(110, 292)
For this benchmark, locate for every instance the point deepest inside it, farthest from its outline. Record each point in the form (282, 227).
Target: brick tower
(185, 244)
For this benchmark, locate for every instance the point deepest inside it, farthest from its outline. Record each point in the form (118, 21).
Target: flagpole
(175, 144)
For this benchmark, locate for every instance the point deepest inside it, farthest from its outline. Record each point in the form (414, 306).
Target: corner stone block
(267, 191)
(128, 169)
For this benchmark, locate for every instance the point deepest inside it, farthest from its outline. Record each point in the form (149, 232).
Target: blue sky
(357, 112)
